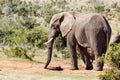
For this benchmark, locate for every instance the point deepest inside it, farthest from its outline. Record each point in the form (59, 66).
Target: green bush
(15, 51)
(65, 53)
(95, 6)
(37, 37)
(18, 51)
(99, 8)
(60, 43)
(2, 35)
(113, 55)
(113, 58)
(48, 11)
(110, 74)
(10, 32)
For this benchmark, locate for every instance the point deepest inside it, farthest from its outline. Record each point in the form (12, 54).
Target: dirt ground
(33, 67)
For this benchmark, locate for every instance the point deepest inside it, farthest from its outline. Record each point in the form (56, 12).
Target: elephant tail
(107, 30)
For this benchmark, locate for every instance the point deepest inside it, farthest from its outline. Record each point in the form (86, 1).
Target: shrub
(65, 53)
(10, 32)
(110, 74)
(37, 37)
(18, 51)
(99, 8)
(2, 34)
(60, 43)
(48, 11)
(113, 55)
(96, 5)
(15, 51)
(55, 55)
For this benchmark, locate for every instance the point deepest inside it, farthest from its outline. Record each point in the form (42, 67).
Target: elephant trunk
(52, 36)
(50, 47)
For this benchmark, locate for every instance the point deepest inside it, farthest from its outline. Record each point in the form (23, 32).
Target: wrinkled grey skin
(85, 30)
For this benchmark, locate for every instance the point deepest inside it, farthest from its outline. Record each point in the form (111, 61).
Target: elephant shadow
(59, 68)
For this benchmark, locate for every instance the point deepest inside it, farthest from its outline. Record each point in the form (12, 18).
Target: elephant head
(60, 23)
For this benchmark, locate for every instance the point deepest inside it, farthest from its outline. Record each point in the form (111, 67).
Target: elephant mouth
(46, 43)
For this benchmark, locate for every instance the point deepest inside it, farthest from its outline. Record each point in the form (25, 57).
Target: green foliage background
(27, 23)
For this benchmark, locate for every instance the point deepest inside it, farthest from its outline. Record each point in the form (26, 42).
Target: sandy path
(32, 67)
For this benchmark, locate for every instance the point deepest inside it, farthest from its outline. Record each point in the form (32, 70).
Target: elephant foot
(45, 67)
(89, 67)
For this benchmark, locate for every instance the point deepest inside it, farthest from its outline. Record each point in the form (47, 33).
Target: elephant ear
(67, 20)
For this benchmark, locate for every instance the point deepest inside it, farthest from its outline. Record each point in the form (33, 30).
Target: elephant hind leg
(98, 59)
(99, 66)
(100, 63)
(85, 57)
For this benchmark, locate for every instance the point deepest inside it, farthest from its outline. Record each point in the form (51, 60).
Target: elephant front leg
(72, 50)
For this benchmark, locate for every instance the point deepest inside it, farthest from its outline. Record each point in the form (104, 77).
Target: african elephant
(85, 30)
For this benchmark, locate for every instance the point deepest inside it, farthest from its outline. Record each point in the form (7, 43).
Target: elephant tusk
(46, 43)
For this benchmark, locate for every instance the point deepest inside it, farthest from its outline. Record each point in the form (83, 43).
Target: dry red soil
(33, 67)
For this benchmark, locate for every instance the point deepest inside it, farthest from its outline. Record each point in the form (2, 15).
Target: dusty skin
(33, 67)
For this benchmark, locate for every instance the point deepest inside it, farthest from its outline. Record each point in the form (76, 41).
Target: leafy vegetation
(36, 37)
(113, 58)
(65, 53)
(113, 55)
(110, 74)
